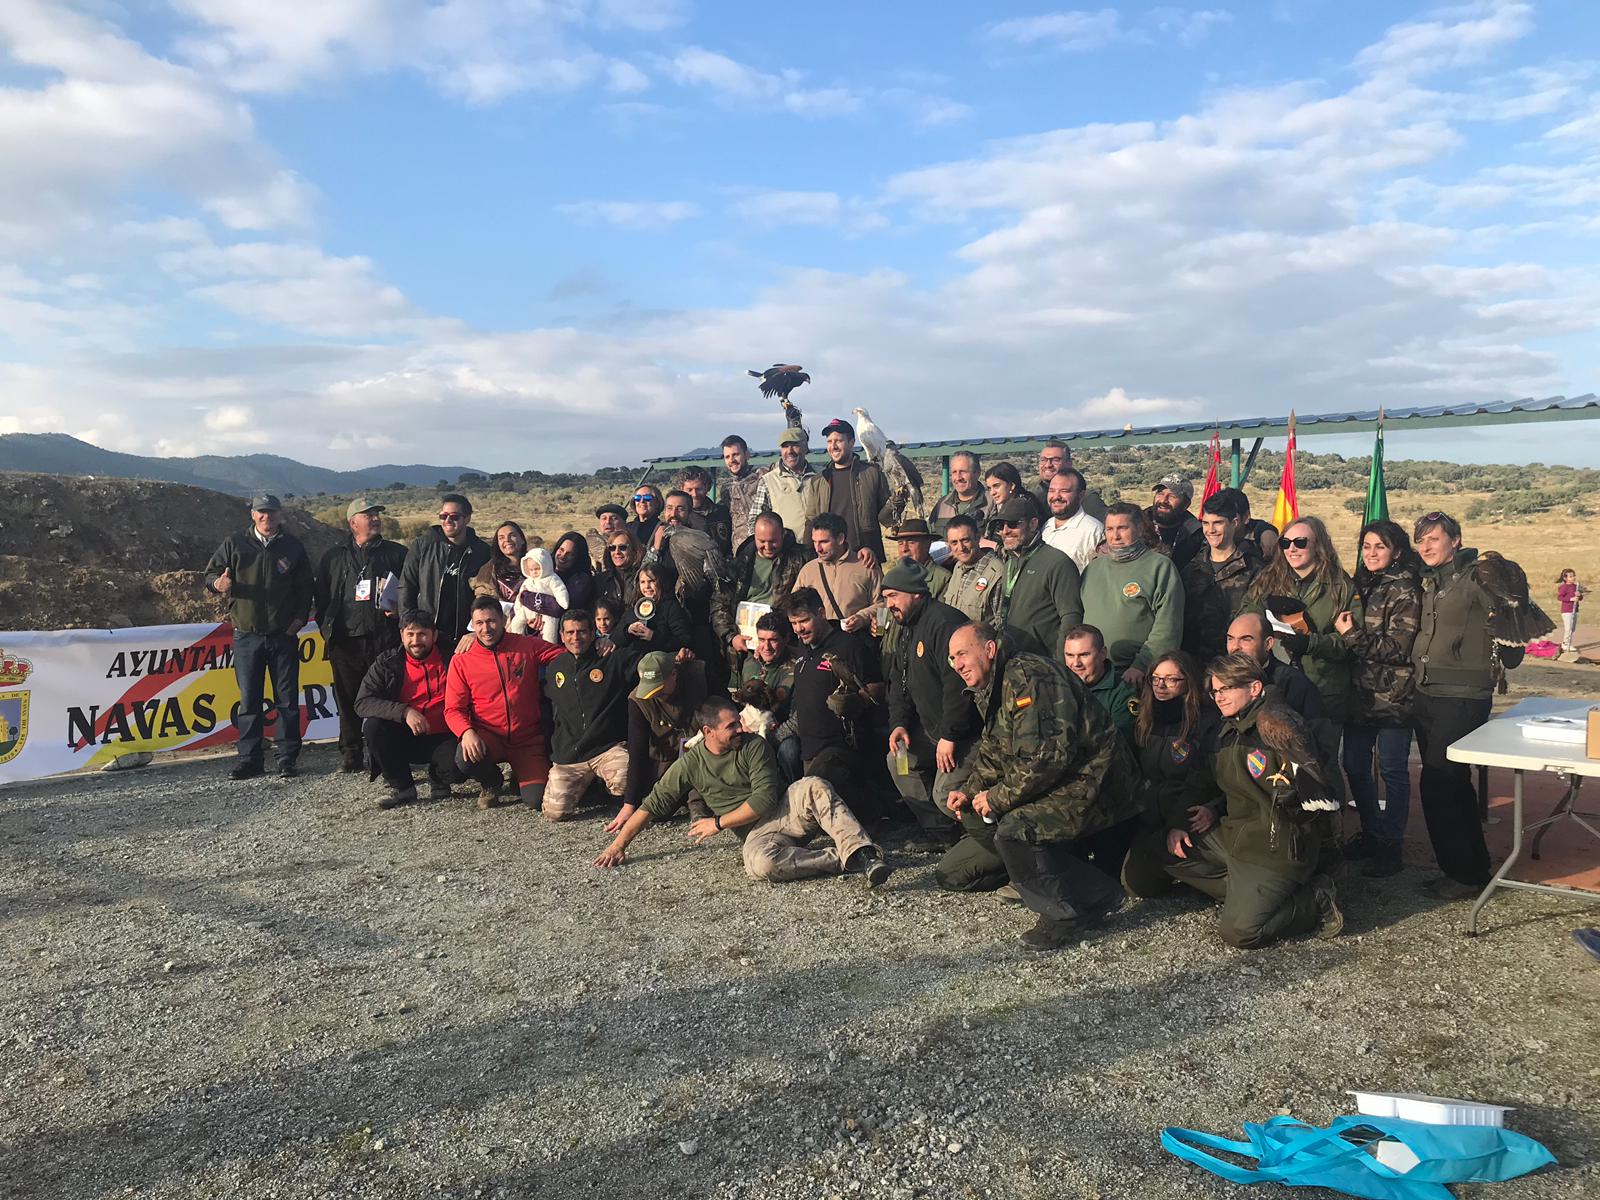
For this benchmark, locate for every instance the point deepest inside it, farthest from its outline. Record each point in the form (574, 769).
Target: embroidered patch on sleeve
(1256, 761)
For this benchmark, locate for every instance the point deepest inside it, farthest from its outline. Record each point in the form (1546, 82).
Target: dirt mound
(84, 553)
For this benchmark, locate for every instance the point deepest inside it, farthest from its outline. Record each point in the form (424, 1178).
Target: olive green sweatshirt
(748, 772)
(1137, 605)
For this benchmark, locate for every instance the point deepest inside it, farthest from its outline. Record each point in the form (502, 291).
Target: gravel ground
(275, 990)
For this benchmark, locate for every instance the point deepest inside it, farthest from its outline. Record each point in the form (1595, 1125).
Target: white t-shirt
(1076, 537)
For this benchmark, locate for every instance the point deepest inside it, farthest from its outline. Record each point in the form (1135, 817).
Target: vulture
(697, 561)
(1283, 730)
(905, 481)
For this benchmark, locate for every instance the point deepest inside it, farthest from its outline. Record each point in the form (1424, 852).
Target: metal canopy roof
(1435, 416)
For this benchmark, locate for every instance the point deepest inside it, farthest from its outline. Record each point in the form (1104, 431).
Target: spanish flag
(1286, 509)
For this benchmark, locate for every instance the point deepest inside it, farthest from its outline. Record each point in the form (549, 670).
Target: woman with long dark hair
(501, 576)
(1305, 584)
(576, 571)
(1173, 735)
(618, 579)
(1379, 629)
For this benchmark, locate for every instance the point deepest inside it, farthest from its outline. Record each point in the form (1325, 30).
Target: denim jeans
(254, 655)
(1394, 754)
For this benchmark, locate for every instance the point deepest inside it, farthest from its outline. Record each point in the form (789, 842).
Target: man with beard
(1175, 525)
(1069, 529)
(857, 492)
(763, 572)
(739, 488)
(1041, 598)
(401, 704)
(933, 721)
(792, 488)
(1055, 456)
(705, 514)
(438, 571)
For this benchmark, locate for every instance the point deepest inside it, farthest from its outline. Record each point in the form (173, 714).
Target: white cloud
(695, 66)
(1075, 31)
(1189, 25)
(1116, 403)
(631, 214)
(1455, 37)
(821, 209)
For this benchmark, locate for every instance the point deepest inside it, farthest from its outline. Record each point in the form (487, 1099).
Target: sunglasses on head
(1299, 543)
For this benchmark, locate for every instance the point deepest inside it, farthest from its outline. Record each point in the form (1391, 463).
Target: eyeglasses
(1232, 687)
(451, 516)
(1299, 543)
(1166, 681)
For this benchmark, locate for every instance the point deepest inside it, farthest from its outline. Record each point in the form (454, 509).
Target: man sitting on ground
(401, 706)
(589, 694)
(661, 714)
(1050, 798)
(737, 776)
(492, 705)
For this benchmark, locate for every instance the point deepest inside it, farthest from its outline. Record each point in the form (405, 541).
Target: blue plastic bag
(1342, 1157)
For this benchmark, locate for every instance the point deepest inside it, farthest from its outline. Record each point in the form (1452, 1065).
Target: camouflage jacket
(1213, 594)
(738, 492)
(1388, 613)
(1263, 822)
(1049, 757)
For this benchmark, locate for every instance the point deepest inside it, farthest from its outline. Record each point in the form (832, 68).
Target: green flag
(1377, 496)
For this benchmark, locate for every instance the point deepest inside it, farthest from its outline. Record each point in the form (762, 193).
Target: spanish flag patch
(1024, 701)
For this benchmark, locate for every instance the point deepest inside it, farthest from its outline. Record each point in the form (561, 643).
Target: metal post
(1250, 462)
(1236, 481)
(944, 475)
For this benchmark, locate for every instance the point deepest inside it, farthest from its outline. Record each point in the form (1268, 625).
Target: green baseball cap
(655, 669)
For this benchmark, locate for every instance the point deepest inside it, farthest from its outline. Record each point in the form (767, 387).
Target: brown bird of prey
(1516, 620)
(780, 379)
(1301, 768)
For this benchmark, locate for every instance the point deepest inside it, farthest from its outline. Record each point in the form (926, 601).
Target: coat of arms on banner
(13, 706)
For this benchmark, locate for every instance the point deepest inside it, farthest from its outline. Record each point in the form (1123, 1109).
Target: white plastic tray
(1430, 1110)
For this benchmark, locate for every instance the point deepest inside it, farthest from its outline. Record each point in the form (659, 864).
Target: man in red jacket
(401, 706)
(492, 704)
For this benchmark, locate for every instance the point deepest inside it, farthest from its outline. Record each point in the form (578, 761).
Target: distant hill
(241, 475)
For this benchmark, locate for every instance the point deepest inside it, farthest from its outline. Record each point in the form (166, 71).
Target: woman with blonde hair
(1306, 588)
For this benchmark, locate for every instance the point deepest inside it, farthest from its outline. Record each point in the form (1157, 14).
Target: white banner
(81, 697)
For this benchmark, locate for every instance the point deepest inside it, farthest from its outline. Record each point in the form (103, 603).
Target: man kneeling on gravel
(401, 706)
(492, 703)
(1050, 796)
(736, 774)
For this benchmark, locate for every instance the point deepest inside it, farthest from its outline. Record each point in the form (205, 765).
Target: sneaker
(1589, 939)
(1363, 845)
(398, 795)
(1384, 862)
(1446, 888)
(287, 769)
(1051, 934)
(246, 770)
(1009, 894)
(488, 795)
(1330, 921)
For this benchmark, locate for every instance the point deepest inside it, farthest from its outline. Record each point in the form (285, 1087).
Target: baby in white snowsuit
(542, 599)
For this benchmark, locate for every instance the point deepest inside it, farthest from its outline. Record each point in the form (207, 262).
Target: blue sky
(542, 234)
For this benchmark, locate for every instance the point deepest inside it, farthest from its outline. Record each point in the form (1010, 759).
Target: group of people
(1065, 701)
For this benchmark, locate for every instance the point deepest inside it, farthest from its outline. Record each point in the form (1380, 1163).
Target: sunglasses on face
(449, 516)
(616, 549)
(1299, 543)
(643, 498)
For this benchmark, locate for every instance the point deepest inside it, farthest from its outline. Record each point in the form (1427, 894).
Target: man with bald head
(1251, 633)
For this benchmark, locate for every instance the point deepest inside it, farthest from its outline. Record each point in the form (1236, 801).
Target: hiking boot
(488, 795)
(1445, 888)
(350, 761)
(1385, 861)
(1363, 845)
(438, 790)
(287, 769)
(246, 770)
(397, 795)
(1330, 921)
(869, 864)
(1051, 934)
(1009, 894)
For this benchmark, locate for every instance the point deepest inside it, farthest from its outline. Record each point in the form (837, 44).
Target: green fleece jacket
(1137, 605)
(749, 772)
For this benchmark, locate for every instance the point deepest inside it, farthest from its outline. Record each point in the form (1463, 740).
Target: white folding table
(1501, 743)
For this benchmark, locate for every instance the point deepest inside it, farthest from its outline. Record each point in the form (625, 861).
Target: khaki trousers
(775, 849)
(568, 781)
